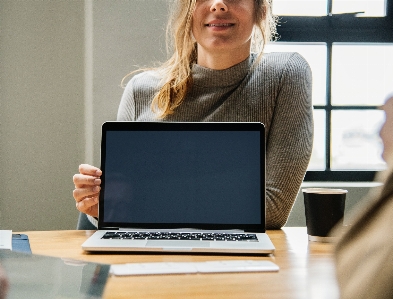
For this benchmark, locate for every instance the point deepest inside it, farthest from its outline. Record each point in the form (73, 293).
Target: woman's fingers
(86, 191)
(90, 170)
(81, 180)
(88, 205)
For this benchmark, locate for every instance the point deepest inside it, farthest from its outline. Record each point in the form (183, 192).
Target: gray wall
(61, 64)
(41, 111)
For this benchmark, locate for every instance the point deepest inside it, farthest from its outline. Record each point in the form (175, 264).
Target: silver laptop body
(182, 187)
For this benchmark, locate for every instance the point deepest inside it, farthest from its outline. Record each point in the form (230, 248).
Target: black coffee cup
(324, 209)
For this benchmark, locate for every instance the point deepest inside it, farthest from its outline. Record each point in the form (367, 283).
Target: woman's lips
(220, 25)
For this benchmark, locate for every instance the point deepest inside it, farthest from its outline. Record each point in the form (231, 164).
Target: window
(349, 46)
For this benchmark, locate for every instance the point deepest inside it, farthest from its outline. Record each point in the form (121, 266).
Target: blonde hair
(176, 71)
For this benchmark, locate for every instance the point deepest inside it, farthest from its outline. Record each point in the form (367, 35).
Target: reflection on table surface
(36, 276)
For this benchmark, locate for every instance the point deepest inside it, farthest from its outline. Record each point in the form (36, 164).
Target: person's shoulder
(144, 78)
(284, 59)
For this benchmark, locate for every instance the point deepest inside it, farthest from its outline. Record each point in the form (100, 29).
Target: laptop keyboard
(181, 236)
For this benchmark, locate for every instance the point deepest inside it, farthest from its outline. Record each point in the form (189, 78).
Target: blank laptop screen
(182, 175)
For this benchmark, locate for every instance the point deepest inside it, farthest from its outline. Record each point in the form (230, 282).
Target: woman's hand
(87, 189)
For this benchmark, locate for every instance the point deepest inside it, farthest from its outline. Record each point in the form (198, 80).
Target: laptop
(193, 187)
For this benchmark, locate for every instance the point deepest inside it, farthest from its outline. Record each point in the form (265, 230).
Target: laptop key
(185, 236)
(111, 235)
(207, 237)
(155, 236)
(250, 237)
(175, 236)
(196, 236)
(139, 236)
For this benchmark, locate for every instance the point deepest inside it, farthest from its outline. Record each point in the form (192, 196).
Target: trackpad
(176, 243)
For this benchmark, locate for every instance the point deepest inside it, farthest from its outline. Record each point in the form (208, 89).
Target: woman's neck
(220, 60)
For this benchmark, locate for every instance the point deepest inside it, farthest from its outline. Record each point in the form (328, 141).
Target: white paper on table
(224, 266)
(6, 239)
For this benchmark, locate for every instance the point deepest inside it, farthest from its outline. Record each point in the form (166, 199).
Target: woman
(214, 76)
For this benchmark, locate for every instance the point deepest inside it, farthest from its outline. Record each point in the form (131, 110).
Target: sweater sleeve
(126, 110)
(289, 142)
(93, 220)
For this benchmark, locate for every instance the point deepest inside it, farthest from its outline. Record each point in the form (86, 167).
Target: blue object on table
(20, 243)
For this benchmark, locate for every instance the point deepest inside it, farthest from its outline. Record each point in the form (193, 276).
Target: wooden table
(306, 269)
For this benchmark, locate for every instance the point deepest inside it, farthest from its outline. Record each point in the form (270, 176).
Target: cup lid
(324, 191)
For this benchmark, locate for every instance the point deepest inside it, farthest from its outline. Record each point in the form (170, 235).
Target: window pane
(355, 139)
(362, 74)
(317, 161)
(300, 8)
(315, 54)
(371, 8)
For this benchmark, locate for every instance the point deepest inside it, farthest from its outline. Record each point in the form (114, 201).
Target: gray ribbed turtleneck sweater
(276, 92)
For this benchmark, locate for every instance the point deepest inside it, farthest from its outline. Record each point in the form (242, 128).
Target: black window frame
(329, 29)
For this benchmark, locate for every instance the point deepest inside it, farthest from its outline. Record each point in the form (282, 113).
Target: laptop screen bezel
(184, 126)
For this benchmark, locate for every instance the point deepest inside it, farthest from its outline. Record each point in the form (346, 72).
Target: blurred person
(219, 73)
(364, 253)
(4, 283)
